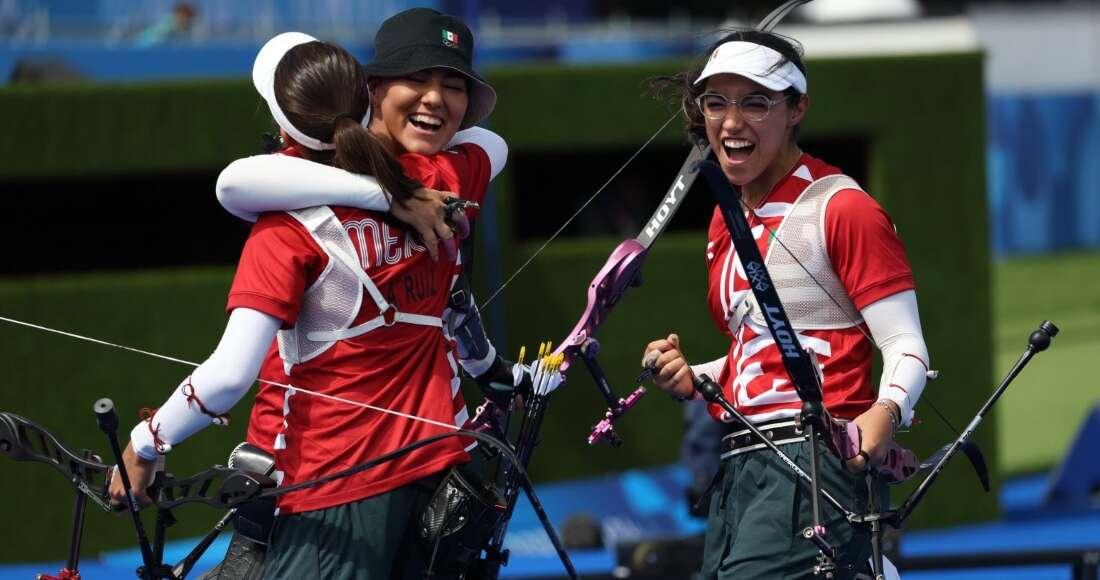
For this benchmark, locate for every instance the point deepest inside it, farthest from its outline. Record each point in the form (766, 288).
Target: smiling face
(753, 153)
(419, 113)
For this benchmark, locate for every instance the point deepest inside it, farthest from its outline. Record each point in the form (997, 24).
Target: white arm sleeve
(895, 326)
(253, 185)
(712, 368)
(218, 383)
(492, 144)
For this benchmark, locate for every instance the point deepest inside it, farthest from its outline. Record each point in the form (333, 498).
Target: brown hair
(323, 92)
(681, 89)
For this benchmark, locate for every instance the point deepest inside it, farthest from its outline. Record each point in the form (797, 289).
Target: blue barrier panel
(98, 62)
(1044, 181)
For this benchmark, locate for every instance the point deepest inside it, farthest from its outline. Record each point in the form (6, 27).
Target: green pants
(373, 538)
(759, 508)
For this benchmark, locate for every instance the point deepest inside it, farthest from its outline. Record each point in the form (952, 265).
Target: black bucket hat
(422, 38)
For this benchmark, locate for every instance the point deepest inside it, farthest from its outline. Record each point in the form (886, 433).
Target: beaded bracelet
(895, 420)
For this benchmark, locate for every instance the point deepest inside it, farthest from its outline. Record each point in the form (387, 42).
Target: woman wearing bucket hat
(411, 48)
(747, 98)
(358, 309)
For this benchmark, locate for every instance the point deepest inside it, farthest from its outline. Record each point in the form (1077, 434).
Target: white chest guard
(331, 303)
(802, 283)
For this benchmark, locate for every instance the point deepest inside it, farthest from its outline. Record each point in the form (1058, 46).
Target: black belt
(741, 440)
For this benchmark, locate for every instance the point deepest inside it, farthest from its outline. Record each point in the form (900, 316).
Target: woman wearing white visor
(747, 99)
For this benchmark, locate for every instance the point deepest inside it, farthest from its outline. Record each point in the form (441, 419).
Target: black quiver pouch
(459, 520)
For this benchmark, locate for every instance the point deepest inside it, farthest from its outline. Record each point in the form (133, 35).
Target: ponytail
(358, 151)
(323, 91)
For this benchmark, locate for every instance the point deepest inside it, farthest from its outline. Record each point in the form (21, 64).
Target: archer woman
(833, 242)
(358, 307)
(280, 182)
(411, 114)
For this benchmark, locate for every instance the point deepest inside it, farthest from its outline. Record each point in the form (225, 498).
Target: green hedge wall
(77, 130)
(922, 115)
(54, 380)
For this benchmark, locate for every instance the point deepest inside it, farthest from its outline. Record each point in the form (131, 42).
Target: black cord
(482, 437)
(926, 399)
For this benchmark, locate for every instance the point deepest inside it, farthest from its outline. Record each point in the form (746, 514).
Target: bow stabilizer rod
(1037, 342)
(106, 419)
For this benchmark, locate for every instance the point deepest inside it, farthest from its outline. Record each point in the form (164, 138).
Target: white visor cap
(263, 77)
(756, 63)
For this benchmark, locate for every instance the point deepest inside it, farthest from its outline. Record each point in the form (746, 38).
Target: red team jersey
(405, 367)
(869, 260)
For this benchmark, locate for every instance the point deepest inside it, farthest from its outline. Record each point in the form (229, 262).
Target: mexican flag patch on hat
(449, 38)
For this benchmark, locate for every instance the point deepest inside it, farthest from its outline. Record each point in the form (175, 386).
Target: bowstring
(857, 324)
(772, 236)
(578, 211)
(192, 364)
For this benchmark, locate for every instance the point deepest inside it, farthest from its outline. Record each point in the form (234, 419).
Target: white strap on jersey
(332, 302)
(356, 268)
(799, 265)
(374, 323)
(388, 315)
(744, 308)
